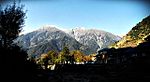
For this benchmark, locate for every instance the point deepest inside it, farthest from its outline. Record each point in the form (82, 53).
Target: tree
(52, 55)
(44, 60)
(11, 23)
(78, 55)
(13, 60)
(86, 58)
(61, 57)
(65, 53)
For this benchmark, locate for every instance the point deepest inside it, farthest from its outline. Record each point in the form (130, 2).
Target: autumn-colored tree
(86, 58)
(78, 55)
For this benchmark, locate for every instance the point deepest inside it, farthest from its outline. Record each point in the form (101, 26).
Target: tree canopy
(11, 23)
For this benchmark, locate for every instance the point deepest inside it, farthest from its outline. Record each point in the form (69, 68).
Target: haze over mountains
(51, 38)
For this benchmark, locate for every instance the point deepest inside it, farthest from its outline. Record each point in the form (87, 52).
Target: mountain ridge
(51, 38)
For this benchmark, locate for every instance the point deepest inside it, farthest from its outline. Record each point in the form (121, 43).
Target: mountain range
(51, 38)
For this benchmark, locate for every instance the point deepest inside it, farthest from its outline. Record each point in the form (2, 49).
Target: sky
(115, 16)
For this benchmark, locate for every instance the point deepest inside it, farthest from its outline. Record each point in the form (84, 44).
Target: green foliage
(65, 53)
(61, 57)
(52, 55)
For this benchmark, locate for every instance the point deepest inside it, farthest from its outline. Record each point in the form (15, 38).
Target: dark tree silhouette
(11, 23)
(14, 64)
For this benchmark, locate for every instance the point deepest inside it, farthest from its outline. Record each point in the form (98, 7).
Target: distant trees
(49, 58)
(11, 23)
(52, 58)
(64, 57)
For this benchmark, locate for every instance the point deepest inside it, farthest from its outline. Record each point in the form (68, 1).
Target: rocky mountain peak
(48, 28)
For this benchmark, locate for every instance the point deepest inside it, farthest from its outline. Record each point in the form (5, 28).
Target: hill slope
(136, 35)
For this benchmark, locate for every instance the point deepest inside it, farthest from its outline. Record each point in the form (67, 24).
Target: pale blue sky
(117, 17)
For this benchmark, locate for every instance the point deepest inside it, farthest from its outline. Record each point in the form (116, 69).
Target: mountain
(93, 38)
(50, 38)
(45, 39)
(136, 35)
